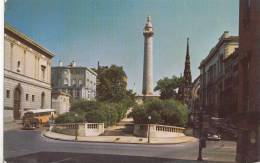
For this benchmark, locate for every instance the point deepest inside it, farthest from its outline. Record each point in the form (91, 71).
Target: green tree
(112, 83)
(167, 87)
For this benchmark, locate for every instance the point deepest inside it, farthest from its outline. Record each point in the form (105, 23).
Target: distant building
(248, 113)
(195, 102)
(27, 75)
(60, 101)
(212, 75)
(79, 82)
(184, 92)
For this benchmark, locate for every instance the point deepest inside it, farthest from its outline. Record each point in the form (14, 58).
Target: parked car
(215, 137)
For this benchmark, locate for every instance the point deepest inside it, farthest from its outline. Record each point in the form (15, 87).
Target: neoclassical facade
(212, 76)
(79, 82)
(27, 75)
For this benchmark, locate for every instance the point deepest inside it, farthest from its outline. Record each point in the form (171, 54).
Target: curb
(46, 136)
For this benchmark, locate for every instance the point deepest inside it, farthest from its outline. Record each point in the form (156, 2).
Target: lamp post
(76, 129)
(149, 120)
(202, 141)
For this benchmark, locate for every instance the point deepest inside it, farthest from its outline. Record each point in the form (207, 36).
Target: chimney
(73, 64)
(224, 35)
(60, 63)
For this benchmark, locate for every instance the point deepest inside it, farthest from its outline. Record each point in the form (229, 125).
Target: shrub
(167, 112)
(70, 118)
(97, 112)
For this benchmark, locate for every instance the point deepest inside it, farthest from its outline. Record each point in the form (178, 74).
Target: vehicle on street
(34, 118)
(214, 137)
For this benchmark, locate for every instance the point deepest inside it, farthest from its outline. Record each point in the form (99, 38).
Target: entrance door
(17, 103)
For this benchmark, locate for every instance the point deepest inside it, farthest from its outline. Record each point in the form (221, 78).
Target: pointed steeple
(187, 72)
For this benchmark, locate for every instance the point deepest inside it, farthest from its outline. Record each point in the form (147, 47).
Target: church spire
(187, 72)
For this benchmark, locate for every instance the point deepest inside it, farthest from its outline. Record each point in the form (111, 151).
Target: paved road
(19, 143)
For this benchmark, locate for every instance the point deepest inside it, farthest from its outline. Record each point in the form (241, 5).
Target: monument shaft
(148, 59)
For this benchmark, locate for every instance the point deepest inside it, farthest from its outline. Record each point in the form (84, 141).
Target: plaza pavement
(119, 139)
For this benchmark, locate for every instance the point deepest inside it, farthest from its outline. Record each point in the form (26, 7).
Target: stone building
(230, 90)
(195, 102)
(27, 75)
(248, 113)
(212, 75)
(184, 92)
(79, 82)
(60, 101)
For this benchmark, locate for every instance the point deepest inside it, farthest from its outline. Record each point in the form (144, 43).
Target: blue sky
(110, 31)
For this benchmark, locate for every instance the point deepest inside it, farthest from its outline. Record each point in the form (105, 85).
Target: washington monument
(148, 59)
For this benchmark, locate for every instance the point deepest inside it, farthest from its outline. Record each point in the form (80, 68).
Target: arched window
(42, 100)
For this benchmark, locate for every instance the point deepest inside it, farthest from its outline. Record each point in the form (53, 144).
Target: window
(27, 97)
(73, 82)
(80, 82)
(32, 98)
(43, 72)
(18, 66)
(65, 81)
(7, 93)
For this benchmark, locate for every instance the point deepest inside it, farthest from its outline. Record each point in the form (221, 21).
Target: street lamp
(202, 139)
(76, 128)
(149, 120)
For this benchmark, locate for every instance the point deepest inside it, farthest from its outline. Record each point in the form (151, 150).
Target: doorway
(17, 104)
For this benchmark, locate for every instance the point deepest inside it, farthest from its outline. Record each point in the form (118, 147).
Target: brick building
(248, 145)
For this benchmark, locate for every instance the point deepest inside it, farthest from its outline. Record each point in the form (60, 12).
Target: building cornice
(213, 51)
(67, 67)
(12, 32)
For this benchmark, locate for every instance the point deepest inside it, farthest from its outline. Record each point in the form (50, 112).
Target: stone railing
(82, 129)
(158, 130)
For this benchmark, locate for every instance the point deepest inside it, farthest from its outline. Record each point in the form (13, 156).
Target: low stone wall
(92, 129)
(82, 129)
(158, 131)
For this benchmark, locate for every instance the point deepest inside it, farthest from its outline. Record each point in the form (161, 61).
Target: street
(19, 143)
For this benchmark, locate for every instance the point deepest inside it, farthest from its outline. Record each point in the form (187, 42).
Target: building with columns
(148, 59)
(212, 76)
(27, 75)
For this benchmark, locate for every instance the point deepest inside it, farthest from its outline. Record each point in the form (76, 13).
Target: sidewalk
(120, 139)
(12, 126)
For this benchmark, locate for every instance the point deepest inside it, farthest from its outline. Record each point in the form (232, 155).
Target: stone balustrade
(82, 129)
(157, 131)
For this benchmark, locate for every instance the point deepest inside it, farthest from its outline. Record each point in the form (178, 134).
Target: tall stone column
(148, 58)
